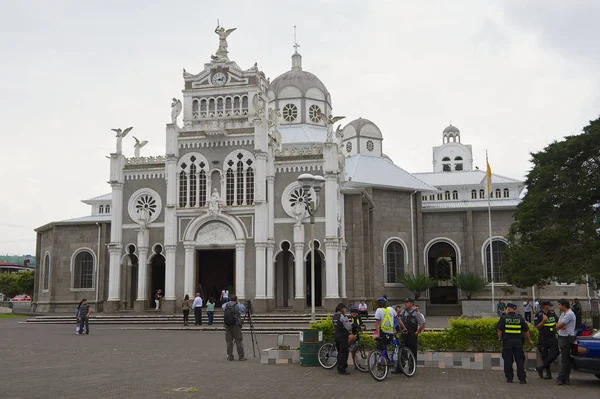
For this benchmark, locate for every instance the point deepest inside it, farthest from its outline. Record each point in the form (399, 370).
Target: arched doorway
(284, 276)
(443, 266)
(129, 277)
(157, 273)
(318, 277)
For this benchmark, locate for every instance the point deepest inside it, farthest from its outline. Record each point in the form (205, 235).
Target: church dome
(361, 136)
(451, 129)
(362, 127)
(299, 79)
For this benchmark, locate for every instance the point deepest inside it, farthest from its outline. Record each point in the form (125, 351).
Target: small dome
(363, 128)
(299, 79)
(451, 129)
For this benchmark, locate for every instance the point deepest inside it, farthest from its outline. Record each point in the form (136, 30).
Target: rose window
(370, 145)
(300, 198)
(314, 113)
(146, 202)
(348, 147)
(290, 112)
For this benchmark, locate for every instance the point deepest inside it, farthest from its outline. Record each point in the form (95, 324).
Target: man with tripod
(232, 318)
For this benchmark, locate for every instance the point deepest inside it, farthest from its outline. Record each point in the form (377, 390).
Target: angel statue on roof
(221, 53)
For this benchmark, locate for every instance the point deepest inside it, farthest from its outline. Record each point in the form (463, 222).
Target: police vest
(512, 325)
(338, 326)
(549, 328)
(387, 324)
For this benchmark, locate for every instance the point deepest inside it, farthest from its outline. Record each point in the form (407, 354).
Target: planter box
(276, 356)
(469, 360)
(478, 309)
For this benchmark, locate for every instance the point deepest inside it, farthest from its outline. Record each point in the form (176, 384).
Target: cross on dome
(296, 45)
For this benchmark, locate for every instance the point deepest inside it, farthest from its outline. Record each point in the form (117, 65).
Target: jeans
(198, 315)
(157, 302)
(564, 343)
(234, 333)
(82, 320)
(528, 317)
(341, 343)
(211, 318)
(512, 350)
(186, 315)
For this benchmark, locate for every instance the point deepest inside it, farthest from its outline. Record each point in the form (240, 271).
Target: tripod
(253, 338)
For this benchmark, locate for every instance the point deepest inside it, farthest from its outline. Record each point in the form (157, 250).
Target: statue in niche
(215, 203)
(143, 218)
(258, 102)
(221, 54)
(275, 139)
(120, 135)
(138, 146)
(175, 110)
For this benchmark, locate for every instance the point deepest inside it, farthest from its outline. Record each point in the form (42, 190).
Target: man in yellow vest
(545, 321)
(511, 329)
(384, 323)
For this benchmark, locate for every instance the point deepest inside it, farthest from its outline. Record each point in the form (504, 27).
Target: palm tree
(416, 283)
(469, 282)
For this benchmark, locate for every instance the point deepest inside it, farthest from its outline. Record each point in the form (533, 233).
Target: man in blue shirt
(566, 335)
(232, 317)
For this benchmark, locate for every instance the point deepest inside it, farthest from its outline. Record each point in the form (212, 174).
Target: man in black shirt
(545, 321)
(511, 329)
(341, 329)
(84, 316)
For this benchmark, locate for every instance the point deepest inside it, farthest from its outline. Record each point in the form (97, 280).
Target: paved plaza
(50, 361)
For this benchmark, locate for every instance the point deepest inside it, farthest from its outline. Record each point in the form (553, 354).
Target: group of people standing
(556, 335)
(196, 307)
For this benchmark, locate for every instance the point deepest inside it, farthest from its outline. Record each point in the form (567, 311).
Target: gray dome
(362, 127)
(302, 80)
(451, 129)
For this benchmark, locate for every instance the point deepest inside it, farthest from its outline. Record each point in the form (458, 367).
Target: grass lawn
(12, 316)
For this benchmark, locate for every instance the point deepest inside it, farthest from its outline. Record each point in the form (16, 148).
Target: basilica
(223, 208)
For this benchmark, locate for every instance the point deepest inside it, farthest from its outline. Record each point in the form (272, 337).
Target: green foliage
(468, 335)
(507, 289)
(326, 325)
(416, 283)
(555, 233)
(12, 284)
(469, 282)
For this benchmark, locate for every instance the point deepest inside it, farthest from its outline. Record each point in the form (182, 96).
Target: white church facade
(223, 208)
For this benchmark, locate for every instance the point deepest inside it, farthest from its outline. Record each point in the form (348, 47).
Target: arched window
(101, 209)
(203, 105)
(107, 209)
(481, 194)
(220, 104)
(250, 186)
(182, 189)
(245, 105)
(446, 164)
(202, 188)
(240, 183)
(439, 196)
(473, 194)
(499, 253)
(236, 105)
(46, 282)
(193, 184)
(498, 193)
(228, 104)
(230, 186)
(195, 108)
(454, 195)
(447, 195)
(424, 198)
(431, 197)
(211, 105)
(394, 262)
(458, 165)
(506, 193)
(83, 270)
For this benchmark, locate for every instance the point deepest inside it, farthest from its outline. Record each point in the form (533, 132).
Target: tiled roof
(471, 204)
(365, 170)
(462, 178)
(85, 219)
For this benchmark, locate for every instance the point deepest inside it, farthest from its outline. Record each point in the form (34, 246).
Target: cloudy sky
(513, 76)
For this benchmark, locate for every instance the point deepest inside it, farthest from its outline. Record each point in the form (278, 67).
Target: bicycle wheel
(360, 357)
(328, 355)
(378, 365)
(408, 362)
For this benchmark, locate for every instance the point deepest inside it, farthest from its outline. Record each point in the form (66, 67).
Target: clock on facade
(219, 79)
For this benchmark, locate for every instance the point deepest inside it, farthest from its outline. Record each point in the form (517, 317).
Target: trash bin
(310, 342)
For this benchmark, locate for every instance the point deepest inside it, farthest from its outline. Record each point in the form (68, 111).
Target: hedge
(463, 335)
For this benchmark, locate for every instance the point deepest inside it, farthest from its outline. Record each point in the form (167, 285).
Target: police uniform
(341, 329)
(356, 324)
(547, 341)
(512, 327)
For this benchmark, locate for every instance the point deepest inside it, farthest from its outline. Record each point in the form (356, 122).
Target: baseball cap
(511, 305)
(410, 299)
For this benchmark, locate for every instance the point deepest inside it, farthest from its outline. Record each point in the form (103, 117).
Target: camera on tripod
(249, 308)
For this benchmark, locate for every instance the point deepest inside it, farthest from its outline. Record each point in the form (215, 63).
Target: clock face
(219, 79)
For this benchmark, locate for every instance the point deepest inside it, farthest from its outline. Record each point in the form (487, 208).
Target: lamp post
(311, 183)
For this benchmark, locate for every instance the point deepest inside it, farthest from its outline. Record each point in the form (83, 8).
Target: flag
(488, 175)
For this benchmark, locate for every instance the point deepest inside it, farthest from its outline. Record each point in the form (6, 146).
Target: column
(114, 275)
(116, 225)
(270, 270)
(331, 268)
(270, 226)
(189, 283)
(299, 260)
(240, 270)
(260, 271)
(343, 271)
(170, 259)
(142, 273)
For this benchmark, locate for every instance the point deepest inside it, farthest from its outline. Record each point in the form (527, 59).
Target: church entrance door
(284, 276)
(318, 277)
(442, 268)
(157, 273)
(215, 272)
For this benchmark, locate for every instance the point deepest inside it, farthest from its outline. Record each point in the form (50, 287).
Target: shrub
(469, 282)
(326, 325)
(416, 283)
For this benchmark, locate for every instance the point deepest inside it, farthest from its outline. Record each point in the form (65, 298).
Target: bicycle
(359, 349)
(379, 362)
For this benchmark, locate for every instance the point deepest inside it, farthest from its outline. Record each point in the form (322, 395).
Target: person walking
(232, 318)
(576, 308)
(185, 308)
(342, 327)
(545, 321)
(224, 296)
(84, 316)
(527, 307)
(566, 335)
(500, 307)
(77, 318)
(157, 298)
(197, 307)
(511, 329)
(210, 310)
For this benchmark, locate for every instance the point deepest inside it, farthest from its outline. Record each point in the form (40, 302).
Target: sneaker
(77, 333)
(540, 371)
(559, 382)
(548, 376)
(396, 371)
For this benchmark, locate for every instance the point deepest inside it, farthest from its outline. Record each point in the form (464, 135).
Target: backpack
(410, 321)
(231, 314)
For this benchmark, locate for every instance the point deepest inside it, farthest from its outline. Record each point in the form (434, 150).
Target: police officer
(511, 329)
(341, 329)
(545, 321)
(414, 324)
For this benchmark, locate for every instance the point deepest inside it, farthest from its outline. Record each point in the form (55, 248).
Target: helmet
(381, 301)
(353, 308)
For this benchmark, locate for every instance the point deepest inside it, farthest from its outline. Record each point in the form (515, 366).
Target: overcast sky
(512, 76)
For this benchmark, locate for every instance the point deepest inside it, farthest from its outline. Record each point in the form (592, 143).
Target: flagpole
(489, 189)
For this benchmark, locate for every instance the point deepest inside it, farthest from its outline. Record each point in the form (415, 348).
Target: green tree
(555, 235)
(469, 282)
(12, 284)
(416, 284)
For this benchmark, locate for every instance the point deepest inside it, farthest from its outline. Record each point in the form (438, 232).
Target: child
(210, 310)
(357, 324)
(77, 318)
